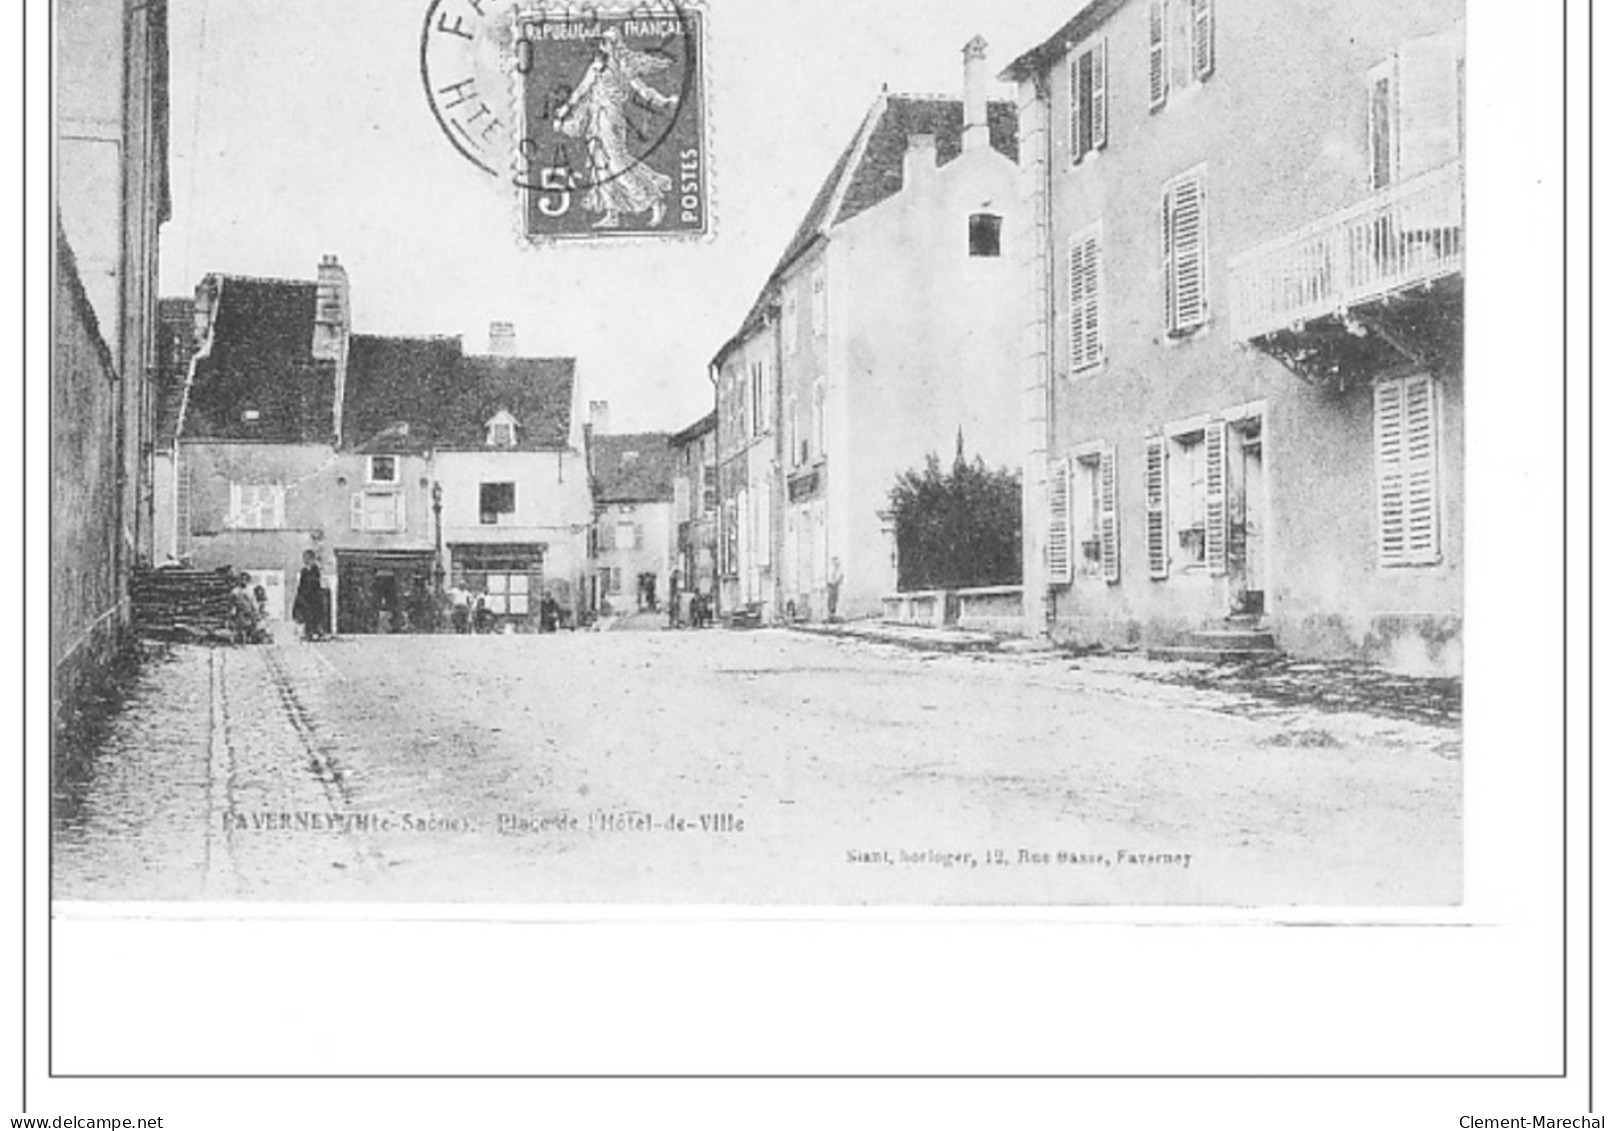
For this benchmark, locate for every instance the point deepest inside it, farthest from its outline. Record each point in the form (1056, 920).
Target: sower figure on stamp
(598, 113)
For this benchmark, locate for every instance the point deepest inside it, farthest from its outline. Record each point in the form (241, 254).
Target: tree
(959, 530)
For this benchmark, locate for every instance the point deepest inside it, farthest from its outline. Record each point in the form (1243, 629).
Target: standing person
(459, 609)
(833, 588)
(308, 607)
(244, 612)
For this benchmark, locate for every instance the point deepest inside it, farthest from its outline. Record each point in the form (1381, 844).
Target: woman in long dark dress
(308, 608)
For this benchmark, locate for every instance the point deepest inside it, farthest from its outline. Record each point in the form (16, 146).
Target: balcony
(1386, 273)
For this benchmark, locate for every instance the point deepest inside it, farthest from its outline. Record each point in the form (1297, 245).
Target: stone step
(1234, 640)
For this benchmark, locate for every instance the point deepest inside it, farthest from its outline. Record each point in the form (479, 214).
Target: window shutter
(1381, 127)
(1059, 549)
(1158, 73)
(1184, 237)
(277, 496)
(1217, 498)
(1155, 505)
(400, 511)
(1427, 93)
(1392, 476)
(1081, 115)
(1204, 38)
(1109, 535)
(1087, 346)
(1420, 469)
(1101, 104)
(237, 518)
(356, 511)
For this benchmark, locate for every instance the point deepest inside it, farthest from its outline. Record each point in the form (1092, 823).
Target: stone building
(695, 506)
(111, 196)
(403, 463)
(635, 543)
(1243, 378)
(889, 326)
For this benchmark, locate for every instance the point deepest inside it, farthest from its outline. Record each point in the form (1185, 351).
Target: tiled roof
(880, 174)
(260, 380)
(876, 173)
(394, 390)
(708, 423)
(1089, 16)
(633, 468)
(537, 391)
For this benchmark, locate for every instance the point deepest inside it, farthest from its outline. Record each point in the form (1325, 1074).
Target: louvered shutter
(1183, 239)
(1203, 37)
(1158, 73)
(356, 511)
(1406, 458)
(1217, 498)
(1101, 103)
(1427, 94)
(1081, 108)
(1419, 465)
(277, 504)
(1109, 534)
(1059, 549)
(235, 521)
(1155, 506)
(1087, 345)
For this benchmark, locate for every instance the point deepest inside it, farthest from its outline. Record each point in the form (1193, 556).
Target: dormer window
(502, 431)
(251, 416)
(630, 458)
(383, 470)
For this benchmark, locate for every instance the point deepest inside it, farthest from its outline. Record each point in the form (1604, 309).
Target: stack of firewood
(183, 604)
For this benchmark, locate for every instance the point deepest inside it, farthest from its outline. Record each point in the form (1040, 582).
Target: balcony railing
(1406, 236)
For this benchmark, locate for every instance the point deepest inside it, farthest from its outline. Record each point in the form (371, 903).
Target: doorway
(1247, 518)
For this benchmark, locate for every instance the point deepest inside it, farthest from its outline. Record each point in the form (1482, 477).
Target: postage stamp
(613, 113)
(597, 115)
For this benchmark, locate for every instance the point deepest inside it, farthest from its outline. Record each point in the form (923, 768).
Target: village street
(766, 767)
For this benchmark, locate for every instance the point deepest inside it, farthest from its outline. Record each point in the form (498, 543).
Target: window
(1415, 107)
(1381, 129)
(378, 511)
(1087, 526)
(497, 500)
(502, 431)
(821, 303)
(1087, 339)
(1202, 39)
(629, 536)
(1407, 471)
(1089, 110)
(1083, 535)
(507, 594)
(382, 469)
(986, 236)
(1183, 247)
(790, 324)
(793, 434)
(1186, 500)
(818, 416)
(1160, 76)
(759, 407)
(257, 506)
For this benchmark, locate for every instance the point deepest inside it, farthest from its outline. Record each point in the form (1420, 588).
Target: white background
(1474, 991)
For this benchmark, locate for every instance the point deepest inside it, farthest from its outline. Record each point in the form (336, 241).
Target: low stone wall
(994, 609)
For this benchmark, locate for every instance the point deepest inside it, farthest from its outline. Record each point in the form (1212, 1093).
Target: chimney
(332, 317)
(600, 417)
(920, 160)
(502, 339)
(333, 322)
(976, 135)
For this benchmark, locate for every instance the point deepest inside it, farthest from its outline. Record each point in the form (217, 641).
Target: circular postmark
(601, 124)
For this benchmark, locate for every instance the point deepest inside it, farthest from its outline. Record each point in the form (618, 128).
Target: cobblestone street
(766, 767)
